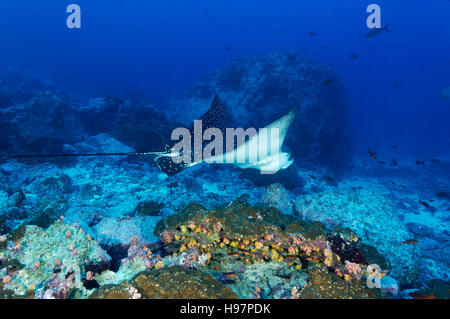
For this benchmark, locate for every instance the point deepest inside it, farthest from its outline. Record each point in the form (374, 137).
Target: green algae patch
(121, 291)
(327, 285)
(178, 282)
(149, 208)
(372, 256)
(167, 283)
(193, 211)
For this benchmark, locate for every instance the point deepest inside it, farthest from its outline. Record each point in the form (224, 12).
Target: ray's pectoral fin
(215, 117)
(267, 145)
(277, 162)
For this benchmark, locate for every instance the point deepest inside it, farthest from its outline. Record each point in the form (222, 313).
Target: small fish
(396, 84)
(312, 34)
(434, 160)
(284, 277)
(381, 162)
(227, 281)
(230, 274)
(376, 31)
(328, 81)
(410, 242)
(428, 206)
(420, 162)
(394, 162)
(328, 179)
(418, 295)
(228, 278)
(353, 56)
(443, 194)
(372, 154)
(446, 93)
(425, 204)
(325, 47)
(394, 147)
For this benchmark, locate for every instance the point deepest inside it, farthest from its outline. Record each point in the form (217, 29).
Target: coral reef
(50, 263)
(239, 235)
(237, 250)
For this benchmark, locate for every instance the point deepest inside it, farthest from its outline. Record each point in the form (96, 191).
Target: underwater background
(363, 208)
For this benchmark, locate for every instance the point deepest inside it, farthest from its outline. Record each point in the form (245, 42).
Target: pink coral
(353, 268)
(134, 293)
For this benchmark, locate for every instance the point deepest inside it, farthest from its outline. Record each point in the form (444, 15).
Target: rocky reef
(238, 250)
(128, 230)
(240, 242)
(369, 213)
(49, 263)
(67, 122)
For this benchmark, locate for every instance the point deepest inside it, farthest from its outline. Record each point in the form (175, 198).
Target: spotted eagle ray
(261, 151)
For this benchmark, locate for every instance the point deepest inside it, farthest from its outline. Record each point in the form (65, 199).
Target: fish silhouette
(376, 31)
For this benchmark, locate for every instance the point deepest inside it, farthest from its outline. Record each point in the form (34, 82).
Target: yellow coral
(258, 245)
(234, 244)
(159, 264)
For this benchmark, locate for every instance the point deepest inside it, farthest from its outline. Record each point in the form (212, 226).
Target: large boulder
(42, 125)
(373, 216)
(18, 86)
(138, 125)
(259, 89)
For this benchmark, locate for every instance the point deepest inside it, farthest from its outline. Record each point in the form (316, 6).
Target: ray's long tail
(24, 156)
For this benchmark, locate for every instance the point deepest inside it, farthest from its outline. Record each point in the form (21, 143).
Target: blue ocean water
(377, 131)
(154, 49)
